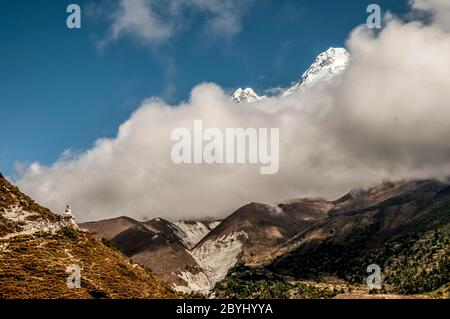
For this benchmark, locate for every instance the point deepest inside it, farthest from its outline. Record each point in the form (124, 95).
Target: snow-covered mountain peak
(327, 64)
(325, 67)
(246, 95)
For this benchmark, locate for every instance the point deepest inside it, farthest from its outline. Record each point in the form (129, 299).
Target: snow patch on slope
(191, 233)
(216, 258)
(27, 227)
(199, 282)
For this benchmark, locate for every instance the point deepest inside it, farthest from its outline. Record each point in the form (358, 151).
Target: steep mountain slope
(109, 228)
(266, 226)
(305, 247)
(155, 245)
(158, 244)
(251, 233)
(37, 246)
(193, 256)
(402, 227)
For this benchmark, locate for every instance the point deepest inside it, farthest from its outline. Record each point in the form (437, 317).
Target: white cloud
(439, 8)
(274, 91)
(387, 116)
(225, 16)
(153, 21)
(136, 17)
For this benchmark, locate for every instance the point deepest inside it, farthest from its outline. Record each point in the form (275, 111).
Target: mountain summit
(325, 67)
(247, 95)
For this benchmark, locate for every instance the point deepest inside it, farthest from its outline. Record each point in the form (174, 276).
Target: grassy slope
(35, 266)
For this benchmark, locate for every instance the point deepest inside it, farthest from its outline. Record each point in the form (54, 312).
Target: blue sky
(60, 89)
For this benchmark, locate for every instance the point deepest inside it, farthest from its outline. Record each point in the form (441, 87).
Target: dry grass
(34, 266)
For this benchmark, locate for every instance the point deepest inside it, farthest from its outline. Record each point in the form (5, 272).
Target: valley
(318, 248)
(302, 248)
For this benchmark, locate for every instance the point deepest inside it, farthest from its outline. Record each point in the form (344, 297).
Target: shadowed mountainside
(403, 227)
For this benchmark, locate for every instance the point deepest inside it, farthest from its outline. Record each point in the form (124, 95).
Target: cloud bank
(386, 117)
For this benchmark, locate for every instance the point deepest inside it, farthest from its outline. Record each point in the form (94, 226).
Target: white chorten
(68, 212)
(68, 218)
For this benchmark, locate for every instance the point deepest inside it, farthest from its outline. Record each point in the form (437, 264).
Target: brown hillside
(36, 247)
